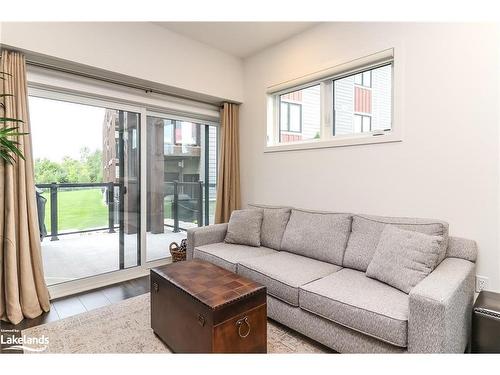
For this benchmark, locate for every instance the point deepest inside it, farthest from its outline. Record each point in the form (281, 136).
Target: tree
(47, 171)
(87, 169)
(94, 166)
(75, 170)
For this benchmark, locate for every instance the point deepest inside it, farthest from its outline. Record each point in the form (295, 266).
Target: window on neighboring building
(362, 123)
(364, 79)
(291, 117)
(186, 133)
(299, 115)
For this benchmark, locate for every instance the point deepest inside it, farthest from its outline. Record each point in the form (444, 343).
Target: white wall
(142, 50)
(447, 166)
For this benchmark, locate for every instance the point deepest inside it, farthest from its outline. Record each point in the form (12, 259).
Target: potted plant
(8, 145)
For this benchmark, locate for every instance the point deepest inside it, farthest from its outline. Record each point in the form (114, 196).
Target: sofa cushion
(348, 297)
(244, 227)
(228, 255)
(366, 231)
(403, 258)
(273, 225)
(317, 235)
(282, 273)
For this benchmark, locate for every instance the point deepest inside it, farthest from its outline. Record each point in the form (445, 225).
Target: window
(88, 186)
(362, 102)
(182, 177)
(186, 133)
(364, 79)
(351, 105)
(299, 115)
(105, 188)
(291, 117)
(362, 123)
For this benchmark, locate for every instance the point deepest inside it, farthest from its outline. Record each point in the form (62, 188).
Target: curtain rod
(117, 82)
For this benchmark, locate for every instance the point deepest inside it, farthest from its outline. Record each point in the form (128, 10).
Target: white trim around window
(325, 78)
(64, 83)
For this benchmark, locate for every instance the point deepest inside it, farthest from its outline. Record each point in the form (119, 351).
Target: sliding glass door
(181, 180)
(116, 185)
(87, 175)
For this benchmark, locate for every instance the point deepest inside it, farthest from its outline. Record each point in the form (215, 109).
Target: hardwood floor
(79, 303)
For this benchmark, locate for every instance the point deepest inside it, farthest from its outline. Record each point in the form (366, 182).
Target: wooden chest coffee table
(198, 307)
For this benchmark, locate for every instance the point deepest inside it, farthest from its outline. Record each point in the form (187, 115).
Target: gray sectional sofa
(314, 265)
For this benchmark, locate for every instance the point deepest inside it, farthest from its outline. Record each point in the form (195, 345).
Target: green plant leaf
(8, 119)
(12, 134)
(12, 131)
(7, 157)
(8, 148)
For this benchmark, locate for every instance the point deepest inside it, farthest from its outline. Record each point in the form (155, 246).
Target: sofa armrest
(204, 236)
(440, 309)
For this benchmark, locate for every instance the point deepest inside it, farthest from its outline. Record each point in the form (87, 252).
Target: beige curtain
(23, 292)
(228, 183)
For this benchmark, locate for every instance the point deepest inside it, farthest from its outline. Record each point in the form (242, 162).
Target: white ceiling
(240, 39)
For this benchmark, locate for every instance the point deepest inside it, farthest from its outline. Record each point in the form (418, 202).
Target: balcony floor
(76, 256)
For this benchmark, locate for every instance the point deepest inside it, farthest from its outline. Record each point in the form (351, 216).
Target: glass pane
(180, 177)
(367, 78)
(366, 123)
(295, 117)
(169, 132)
(374, 102)
(284, 116)
(304, 115)
(212, 172)
(358, 127)
(87, 188)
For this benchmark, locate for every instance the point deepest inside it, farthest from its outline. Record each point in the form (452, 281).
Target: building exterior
(120, 163)
(363, 102)
(181, 154)
(110, 172)
(300, 115)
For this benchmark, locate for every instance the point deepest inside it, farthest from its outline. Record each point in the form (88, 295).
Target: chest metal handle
(243, 322)
(201, 320)
(156, 287)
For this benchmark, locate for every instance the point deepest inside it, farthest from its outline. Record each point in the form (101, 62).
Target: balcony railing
(185, 199)
(54, 189)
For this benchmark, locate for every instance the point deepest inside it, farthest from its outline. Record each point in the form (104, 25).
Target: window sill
(338, 142)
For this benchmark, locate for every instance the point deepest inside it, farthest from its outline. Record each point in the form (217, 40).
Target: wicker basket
(178, 252)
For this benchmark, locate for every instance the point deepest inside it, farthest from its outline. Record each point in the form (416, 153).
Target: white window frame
(325, 79)
(65, 87)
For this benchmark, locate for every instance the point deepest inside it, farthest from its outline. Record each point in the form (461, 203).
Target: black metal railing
(54, 189)
(187, 204)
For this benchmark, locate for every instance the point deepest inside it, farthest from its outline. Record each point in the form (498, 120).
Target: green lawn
(167, 209)
(78, 209)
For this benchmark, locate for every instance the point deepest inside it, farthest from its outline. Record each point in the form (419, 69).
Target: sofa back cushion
(244, 227)
(273, 227)
(366, 232)
(403, 258)
(317, 235)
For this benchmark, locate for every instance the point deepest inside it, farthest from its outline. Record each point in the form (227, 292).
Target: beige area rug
(125, 328)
